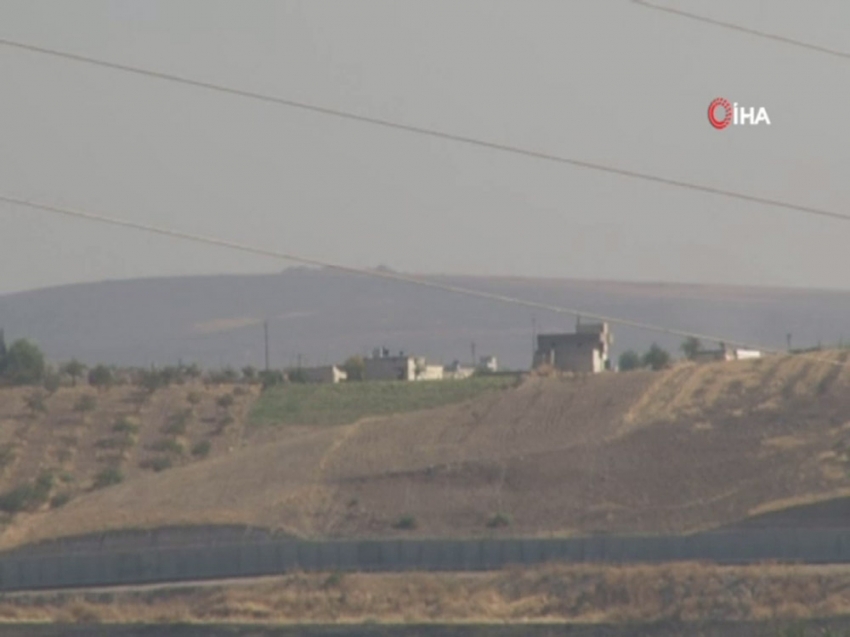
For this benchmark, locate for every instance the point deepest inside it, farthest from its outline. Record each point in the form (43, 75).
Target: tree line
(657, 357)
(23, 364)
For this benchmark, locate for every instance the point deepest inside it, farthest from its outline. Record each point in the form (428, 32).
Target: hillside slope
(690, 448)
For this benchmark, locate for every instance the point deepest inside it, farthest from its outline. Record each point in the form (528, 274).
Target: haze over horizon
(706, 285)
(608, 82)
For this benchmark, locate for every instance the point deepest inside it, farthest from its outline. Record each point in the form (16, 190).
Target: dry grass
(591, 594)
(117, 430)
(686, 449)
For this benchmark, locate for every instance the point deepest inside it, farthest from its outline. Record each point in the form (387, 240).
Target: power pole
(474, 360)
(266, 333)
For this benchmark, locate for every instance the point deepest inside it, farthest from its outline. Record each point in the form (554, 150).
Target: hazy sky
(600, 80)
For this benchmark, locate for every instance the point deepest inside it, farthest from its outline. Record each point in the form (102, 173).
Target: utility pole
(474, 363)
(266, 333)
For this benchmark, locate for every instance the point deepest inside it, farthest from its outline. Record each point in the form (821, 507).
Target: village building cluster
(587, 350)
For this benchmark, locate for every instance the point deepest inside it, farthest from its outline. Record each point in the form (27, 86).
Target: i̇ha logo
(721, 113)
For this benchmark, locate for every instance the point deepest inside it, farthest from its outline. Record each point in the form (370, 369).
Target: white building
(488, 363)
(742, 354)
(726, 353)
(584, 351)
(324, 374)
(456, 371)
(429, 372)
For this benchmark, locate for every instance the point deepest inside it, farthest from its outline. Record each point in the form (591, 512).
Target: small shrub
(152, 379)
(193, 398)
(85, 403)
(498, 521)
(249, 373)
(59, 500)
(224, 376)
(43, 485)
(178, 423)
(125, 426)
(37, 402)
(138, 398)
(735, 387)
(107, 443)
(192, 371)
(202, 449)
(18, 499)
(159, 463)
(80, 612)
(28, 496)
(7, 455)
(405, 523)
(239, 391)
(355, 368)
(629, 360)
(123, 442)
(101, 376)
(223, 423)
(108, 477)
(66, 477)
(52, 382)
(656, 358)
(333, 580)
(271, 379)
(168, 445)
(23, 364)
(225, 401)
(74, 369)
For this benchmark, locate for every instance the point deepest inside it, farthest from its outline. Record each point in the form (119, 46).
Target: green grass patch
(316, 404)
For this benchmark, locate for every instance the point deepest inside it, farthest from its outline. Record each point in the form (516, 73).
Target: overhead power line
(382, 274)
(742, 29)
(471, 141)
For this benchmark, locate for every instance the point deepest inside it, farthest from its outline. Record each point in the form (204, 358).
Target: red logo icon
(712, 110)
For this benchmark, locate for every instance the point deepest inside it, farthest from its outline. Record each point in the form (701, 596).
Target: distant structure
(384, 366)
(726, 353)
(457, 371)
(428, 372)
(742, 354)
(488, 364)
(585, 351)
(324, 374)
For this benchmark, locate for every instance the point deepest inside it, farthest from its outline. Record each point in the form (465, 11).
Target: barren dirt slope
(686, 449)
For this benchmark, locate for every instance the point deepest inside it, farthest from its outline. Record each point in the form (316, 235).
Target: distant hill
(326, 316)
